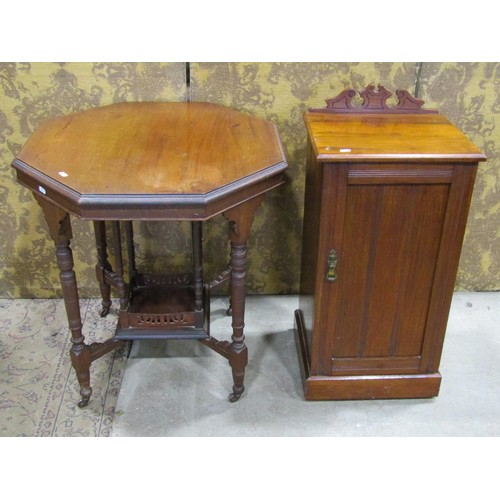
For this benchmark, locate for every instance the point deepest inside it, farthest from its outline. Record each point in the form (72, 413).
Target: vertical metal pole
(418, 72)
(188, 82)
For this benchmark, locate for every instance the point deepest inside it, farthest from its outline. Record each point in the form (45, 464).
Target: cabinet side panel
(457, 209)
(310, 238)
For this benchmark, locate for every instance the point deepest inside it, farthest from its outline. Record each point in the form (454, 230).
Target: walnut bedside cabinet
(386, 203)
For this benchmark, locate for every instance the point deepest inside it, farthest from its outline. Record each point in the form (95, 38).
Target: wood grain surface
(152, 148)
(399, 138)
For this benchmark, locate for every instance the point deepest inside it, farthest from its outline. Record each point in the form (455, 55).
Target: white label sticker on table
(42, 190)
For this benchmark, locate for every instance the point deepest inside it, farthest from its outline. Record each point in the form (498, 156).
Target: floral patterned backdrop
(30, 93)
(468, 93)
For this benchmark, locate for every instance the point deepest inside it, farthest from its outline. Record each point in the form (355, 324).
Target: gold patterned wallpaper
(468, 93)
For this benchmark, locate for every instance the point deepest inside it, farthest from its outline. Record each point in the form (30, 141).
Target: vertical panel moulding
(387, 268)
(407, 244)
(369, 274)
(390, 269)
(360, 214)
(333, 204)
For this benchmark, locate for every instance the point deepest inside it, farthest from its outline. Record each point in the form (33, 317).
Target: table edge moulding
(387, 195)
(187, 161)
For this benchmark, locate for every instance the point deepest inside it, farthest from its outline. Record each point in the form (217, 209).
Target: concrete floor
(180, 388)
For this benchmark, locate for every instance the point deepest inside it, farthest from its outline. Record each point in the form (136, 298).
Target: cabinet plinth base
(323, 387)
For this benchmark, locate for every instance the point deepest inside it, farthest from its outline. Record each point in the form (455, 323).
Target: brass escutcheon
(331, 266)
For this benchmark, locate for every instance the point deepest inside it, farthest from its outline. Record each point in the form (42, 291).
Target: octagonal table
(153, 161)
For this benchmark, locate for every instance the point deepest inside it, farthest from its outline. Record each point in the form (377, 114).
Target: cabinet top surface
(152, 148)
(388, 137)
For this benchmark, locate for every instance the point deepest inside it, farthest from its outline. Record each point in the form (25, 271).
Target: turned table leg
(120, 283)
(102, 266)
(239, 355)
(129, 233)
(240, 221)
(59, 224)
(196, 231)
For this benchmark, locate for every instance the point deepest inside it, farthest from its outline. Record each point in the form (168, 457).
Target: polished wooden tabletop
(152, 161)
(152, 148)
(388, 137)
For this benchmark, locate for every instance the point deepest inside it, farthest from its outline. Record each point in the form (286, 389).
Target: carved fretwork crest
(374, 101)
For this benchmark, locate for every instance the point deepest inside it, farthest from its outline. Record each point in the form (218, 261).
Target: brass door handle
(331, 266)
